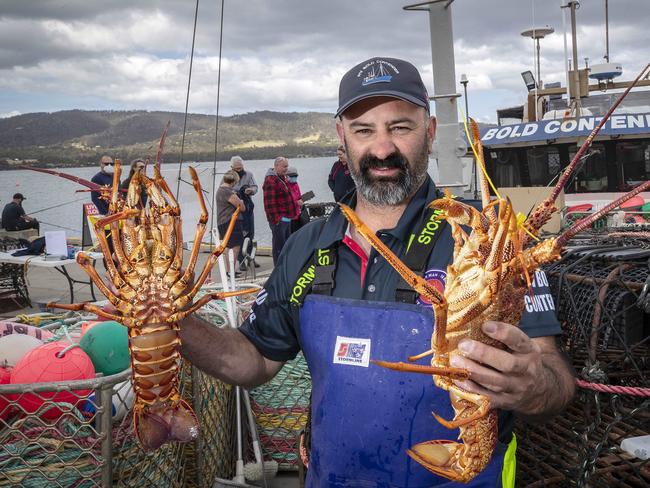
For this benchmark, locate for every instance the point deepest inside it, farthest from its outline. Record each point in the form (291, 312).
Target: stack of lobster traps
(13, 286)
(601, 289)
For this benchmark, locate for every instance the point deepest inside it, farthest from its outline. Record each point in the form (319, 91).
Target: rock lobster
(151, 293)
(487, 280)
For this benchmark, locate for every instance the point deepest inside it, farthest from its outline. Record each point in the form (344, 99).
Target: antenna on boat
(606, 31)
(537, 33)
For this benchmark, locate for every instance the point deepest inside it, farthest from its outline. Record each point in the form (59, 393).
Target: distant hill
(79, 137)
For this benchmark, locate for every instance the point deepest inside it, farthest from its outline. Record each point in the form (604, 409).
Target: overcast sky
(284, 55)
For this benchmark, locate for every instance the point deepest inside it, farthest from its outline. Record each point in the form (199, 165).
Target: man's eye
(363, 131)
(401, 129)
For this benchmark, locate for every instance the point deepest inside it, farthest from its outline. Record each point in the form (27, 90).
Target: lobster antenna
(543, 211)
(587, 221)
(585, 145)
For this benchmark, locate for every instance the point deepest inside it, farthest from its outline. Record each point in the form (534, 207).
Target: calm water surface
(43, 191)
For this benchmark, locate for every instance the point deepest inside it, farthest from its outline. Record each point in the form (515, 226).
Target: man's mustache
(395, 160)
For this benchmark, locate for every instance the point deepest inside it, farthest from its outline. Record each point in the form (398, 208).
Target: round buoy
(107, 344)
(49, 363)
(13, 347)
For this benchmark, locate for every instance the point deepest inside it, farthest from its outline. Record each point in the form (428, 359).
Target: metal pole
(464, 81)
(105, 422)
(448, 141)
(538, 83)
(606, 31)
(574, 41)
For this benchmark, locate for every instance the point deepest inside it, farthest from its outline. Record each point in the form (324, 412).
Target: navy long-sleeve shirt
(102, 179)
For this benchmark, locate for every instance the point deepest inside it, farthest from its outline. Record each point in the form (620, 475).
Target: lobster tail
(154, 427)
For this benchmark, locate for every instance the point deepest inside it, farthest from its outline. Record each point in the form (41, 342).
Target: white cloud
(13, 113)
(288, 55)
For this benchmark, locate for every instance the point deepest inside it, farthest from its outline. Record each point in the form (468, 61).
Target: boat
(531, 153)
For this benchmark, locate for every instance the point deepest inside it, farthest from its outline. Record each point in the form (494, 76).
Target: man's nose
(383, 145)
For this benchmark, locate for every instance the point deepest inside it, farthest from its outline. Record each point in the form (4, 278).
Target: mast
(444, 86)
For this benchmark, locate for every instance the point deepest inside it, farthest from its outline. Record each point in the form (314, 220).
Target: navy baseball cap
(382, 77)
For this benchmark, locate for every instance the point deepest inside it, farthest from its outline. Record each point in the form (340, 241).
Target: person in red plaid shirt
(279, 204)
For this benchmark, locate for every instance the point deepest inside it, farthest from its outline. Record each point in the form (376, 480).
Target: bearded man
(333, 297)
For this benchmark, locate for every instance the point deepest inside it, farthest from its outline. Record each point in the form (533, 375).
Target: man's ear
(340, 131)
(431, 132)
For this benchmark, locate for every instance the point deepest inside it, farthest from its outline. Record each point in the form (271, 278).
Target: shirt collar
(336, 226)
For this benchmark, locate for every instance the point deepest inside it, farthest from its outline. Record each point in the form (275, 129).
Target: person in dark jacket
(340, 180)
(14, 216)
(103, 178)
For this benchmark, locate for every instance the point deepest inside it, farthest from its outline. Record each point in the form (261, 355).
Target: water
(43, 191)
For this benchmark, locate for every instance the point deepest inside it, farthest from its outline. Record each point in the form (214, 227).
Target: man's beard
(394, 190)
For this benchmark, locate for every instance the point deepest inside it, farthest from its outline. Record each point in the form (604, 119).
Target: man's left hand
(514, 378)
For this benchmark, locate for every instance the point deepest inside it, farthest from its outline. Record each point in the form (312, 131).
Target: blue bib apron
(364, 417)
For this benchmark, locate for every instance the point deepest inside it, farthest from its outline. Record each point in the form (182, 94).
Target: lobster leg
(88, 307)
(453, 373)
(122, 305)
(119, 280)
(181, 301)
(482, 402)
(207, 298)
(181, 284)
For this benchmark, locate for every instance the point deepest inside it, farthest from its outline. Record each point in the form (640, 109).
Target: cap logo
(377, 71)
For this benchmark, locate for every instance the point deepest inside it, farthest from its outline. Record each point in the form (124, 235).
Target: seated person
(14, 217)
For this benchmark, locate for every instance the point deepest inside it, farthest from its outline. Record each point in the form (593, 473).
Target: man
(245, 188)
(103, 178)
(14, 217)
(364, 417)
(279, 204)
(340, 180)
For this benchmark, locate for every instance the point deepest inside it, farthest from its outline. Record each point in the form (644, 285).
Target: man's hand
(529, 376)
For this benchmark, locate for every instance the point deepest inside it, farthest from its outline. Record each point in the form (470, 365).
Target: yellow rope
(521, 218)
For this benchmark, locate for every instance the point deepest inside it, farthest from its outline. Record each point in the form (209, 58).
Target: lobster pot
(281, 408)
(602, 294)
(13, 287)
(84, 436)
(319, 210)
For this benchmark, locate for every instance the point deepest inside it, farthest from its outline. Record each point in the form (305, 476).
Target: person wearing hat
(14, 217)
(294, 188)
(334, 298)
(340, 180)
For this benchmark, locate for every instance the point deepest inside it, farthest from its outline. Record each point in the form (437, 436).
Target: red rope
(624, 390)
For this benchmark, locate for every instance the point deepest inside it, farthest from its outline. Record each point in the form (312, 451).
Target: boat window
(633, 160)
(506, 168)
(592, 175)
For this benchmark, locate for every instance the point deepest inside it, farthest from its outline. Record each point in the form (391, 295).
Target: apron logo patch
(352, 351)
(437, 278)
